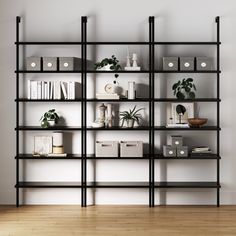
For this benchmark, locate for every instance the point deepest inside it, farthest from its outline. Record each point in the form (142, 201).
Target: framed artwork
(189, 113)
(42, 145)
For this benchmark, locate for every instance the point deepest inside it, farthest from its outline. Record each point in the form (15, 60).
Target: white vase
(130, 123)
(51, 123)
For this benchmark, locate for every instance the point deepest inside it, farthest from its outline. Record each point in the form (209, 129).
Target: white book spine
(55, 90)
(63, 90)
(59, 89)
(39, 90)
(68, 90)
(33, 90)
(48, 89)
(73, 90)
(28, 89)
(45, 90)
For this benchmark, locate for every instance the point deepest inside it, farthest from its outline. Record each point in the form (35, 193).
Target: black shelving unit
(151, 129)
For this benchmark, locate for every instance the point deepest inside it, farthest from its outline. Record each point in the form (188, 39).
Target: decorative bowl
(197, 122)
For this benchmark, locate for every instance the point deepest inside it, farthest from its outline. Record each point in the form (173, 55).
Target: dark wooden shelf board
(50, 128)
(31, 157)
(191, 184)
(120, 128)
(46, 184)
(203, 128)
(47, 100)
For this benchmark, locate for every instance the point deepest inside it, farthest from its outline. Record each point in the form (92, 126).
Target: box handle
(131, 145)
(106, 145)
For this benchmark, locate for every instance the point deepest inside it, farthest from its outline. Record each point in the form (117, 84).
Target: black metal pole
(150, 113)
(153, 114)
(82, 115)
(17, 110)
(218, 109)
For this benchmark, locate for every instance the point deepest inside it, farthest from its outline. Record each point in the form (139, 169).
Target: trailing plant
(131, 115)
(113, 62)
(184, 89)
(50, 115)
(180, 109)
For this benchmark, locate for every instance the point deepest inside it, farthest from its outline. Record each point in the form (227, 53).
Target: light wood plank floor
(117, 220)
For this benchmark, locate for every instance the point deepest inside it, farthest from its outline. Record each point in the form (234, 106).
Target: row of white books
(52, 89)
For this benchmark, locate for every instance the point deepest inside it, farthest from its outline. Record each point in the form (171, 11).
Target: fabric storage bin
(33, 63)
(169, 151)
(187, 63)
(176, 140)
(131, 149)
(70, 63)
(182, 151)
(204, 63)
(170, 63)
(49, 63)
(107, 149)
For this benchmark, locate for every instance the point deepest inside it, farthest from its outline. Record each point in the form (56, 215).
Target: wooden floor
(117, 220)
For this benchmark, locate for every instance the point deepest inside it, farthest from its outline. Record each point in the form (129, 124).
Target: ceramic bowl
(197, 122)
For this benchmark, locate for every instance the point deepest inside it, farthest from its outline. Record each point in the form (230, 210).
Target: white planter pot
(51, 123)
(130, 123)
(107, 68)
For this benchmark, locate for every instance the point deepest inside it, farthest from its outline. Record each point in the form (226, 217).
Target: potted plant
(180, 109)
(49, 118)
(130, 117)
(184, 89)
(108, 64)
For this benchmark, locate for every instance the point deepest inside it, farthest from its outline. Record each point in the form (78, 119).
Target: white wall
(181, 20)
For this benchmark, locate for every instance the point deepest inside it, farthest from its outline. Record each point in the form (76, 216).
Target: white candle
(58, 139)
(109, 112)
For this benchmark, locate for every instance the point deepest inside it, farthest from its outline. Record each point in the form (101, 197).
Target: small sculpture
(100, 122)
(134, 62)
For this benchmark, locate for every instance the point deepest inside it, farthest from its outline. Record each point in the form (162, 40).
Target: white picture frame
(42, 145)
(188, 114)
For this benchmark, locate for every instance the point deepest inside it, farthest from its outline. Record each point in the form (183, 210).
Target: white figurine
(128, 64)
(134, 59)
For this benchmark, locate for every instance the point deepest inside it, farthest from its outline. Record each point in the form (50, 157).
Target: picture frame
(189, 106)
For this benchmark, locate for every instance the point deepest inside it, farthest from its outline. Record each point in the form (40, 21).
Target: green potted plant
(49, 118)
(130, 117)
(184, 89)
(108, 64)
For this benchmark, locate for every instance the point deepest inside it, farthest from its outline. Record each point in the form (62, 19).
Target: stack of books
(184, 125)
(113, 96)
(201, 150)
(52, 89)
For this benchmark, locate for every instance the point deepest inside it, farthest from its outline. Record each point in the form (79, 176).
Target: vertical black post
(82, 116)
(17, 109)
(218, 109)
(150, 113)
(153, 113)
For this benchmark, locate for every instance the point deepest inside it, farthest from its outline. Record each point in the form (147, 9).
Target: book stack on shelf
(201, 151)
(52, 89)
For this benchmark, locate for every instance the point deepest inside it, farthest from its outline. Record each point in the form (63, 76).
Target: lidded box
(49, 63)
(70, 63)
(187, 63)
(204, 63)
(169, 151)
(182, 151)
(107, 149)
(170, 63)
(33, 63)
(176, 140)
(131, 149)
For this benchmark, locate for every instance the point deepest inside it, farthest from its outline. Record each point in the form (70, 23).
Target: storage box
(107, 149)
(33, 63)
(176, 140)
(204, 63)
(182, 151)
(187, 63)
(49, 63)
(131, 149)
(169, 151)
(70, 63)
(170, 63)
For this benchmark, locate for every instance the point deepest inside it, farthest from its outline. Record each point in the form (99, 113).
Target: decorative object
(204, 63)
(170, 63)
(70, 64)
(33, 63)
(130, 117)
(107, 149)
(49, 63)
(128, 64)
(131, 90)
(184, 89)
(182, 151)
(109, 117)
(176, 140)
(169, 151)
(42, 145)
(134, 66)
(197, 122)
(131, 149)
(201, 150)
(49, 118)
(58, 147)
(108, 64)
(109, 93)
(180, 109)
(100, 121)
(186, 63)
(189, 113)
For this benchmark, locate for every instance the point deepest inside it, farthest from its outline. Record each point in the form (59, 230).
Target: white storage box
(107, 149)
(131, 149)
